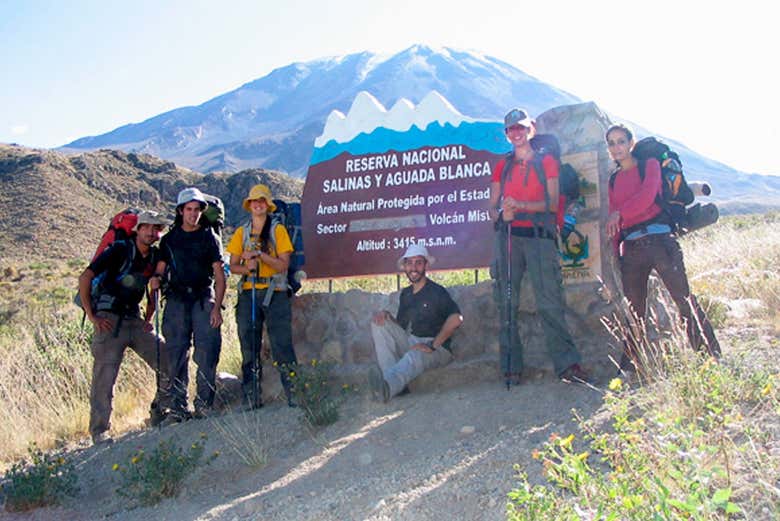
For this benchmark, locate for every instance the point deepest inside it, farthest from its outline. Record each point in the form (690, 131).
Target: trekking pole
(255, 382)
(510, 319)
(157, 349)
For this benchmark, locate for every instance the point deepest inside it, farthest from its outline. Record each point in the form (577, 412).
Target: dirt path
(422, 456)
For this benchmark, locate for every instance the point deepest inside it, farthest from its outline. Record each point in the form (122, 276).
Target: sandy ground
(426, 455)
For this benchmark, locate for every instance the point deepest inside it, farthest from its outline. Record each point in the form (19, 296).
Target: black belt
(532, 232)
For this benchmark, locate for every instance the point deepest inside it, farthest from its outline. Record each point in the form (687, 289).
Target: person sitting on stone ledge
(418, 339)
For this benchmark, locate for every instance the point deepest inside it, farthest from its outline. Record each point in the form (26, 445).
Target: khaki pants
(399, 363)
(108, 351)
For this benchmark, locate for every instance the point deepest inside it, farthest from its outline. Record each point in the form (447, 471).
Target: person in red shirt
(524, 203)
(644, 242)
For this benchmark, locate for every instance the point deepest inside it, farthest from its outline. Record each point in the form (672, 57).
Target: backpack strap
(509, 162)
(548, 217)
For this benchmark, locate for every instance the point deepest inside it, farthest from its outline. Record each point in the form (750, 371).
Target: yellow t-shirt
(236, 247)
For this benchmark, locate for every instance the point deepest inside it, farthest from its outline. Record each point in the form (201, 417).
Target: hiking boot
(174, 417)
(156, 416)
(201, 413)
(512, 378)
(575, 374)
(102, 438)
(380, 391)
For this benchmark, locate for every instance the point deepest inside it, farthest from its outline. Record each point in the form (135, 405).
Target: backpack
(99, 298)
(289, 216)
(120, 228)
(676, 194)
(213, 217)
(568, 180)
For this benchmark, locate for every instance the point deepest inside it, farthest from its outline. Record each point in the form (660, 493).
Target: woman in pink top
(644, 241)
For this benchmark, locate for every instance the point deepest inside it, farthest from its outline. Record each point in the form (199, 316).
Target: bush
(44, 480)
(148, 478)
(689, 446)
(314, 394)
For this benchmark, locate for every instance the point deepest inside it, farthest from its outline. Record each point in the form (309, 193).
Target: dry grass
(45, 362)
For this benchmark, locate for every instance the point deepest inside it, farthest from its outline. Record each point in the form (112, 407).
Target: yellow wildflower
(566, 442)
(616, 384)
(292, 374)
(535, 454)
(767, 388)
(134, 460)
(313, 362)
(583, 456)
(115, 467)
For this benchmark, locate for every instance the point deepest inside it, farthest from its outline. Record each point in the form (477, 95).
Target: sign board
(410, 175)
(381, 180)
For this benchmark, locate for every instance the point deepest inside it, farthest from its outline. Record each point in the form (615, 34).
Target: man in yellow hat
(260, 252)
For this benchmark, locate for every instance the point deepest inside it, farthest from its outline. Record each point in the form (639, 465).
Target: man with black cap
(191, 264)
(418, 339)
(113, 307)
(524, 202)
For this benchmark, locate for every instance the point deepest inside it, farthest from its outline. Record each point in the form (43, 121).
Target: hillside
(54, 205)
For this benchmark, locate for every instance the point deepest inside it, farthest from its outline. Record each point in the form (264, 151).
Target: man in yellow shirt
(260, 252)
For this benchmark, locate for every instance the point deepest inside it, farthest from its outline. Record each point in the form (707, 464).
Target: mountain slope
(274, 120)
(57, 206)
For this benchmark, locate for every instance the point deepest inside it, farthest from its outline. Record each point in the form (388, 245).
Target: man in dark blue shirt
(419, 338)
(191, 258)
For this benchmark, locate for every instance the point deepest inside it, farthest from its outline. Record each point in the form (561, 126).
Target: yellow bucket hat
(260, 192)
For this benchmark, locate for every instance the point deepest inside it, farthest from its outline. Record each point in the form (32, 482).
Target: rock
(467, 430)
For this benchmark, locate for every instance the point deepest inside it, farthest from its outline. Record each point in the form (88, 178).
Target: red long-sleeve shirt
(635, 198)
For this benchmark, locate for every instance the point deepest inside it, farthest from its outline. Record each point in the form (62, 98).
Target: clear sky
(700, 72)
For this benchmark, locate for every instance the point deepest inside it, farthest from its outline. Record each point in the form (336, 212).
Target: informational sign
(382, 180)
(367, 199)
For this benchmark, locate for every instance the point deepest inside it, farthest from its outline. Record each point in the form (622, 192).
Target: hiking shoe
(102, 438)
(380, 391)
(172, 418)
(512, 378)
(201, 413)
(575, 374)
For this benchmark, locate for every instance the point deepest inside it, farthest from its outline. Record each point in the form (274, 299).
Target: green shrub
(148, 478)
(44, 480)
(314, 393)
(688, 446)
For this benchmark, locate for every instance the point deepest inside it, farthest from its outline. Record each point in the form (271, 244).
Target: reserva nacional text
(407, 177)
(408, 158)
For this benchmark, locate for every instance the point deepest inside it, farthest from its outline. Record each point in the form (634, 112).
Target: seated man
(428, 310)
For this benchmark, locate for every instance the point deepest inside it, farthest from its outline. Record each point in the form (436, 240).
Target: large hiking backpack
(100, 300)
(289, 216)
(568, 180)
(676, 194)
(120, 228)
(213, 217)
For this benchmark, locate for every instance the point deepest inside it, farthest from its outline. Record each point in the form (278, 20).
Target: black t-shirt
(190, 257)
(126, 284)
(426, 310)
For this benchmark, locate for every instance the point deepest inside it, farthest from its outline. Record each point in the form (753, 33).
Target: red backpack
(119, 229)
